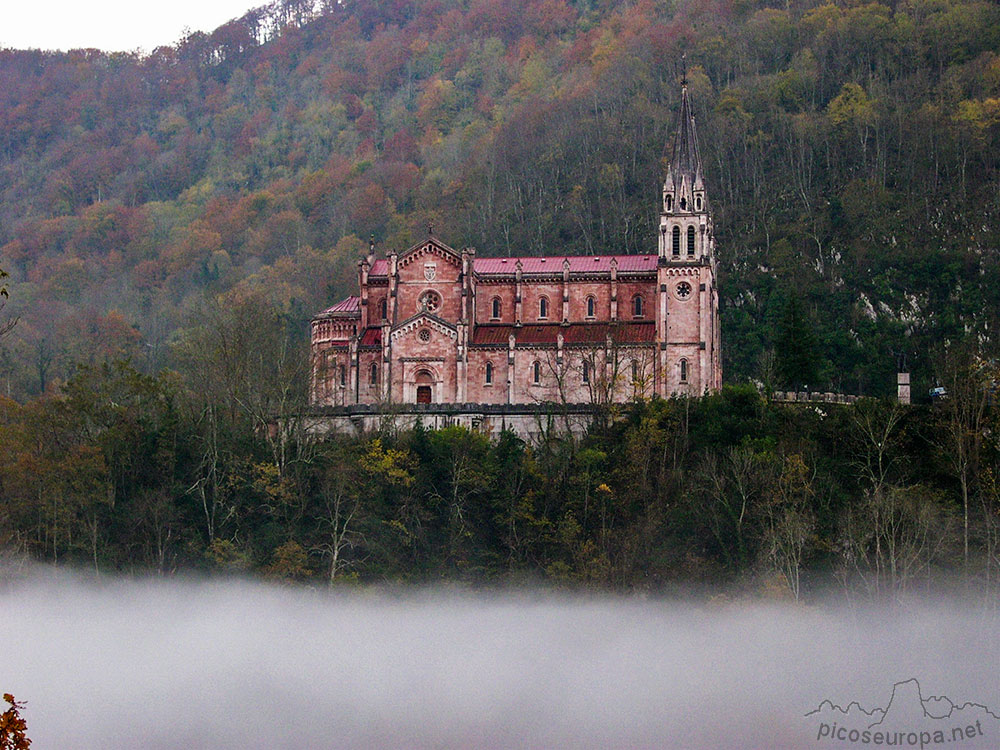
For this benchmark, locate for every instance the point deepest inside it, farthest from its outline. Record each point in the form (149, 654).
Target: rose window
(424, 335)
(430, 301)
(683, 290)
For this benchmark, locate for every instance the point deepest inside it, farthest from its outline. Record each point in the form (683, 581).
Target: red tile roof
(372, 336)
(549, 264)
(486, 335)
(577, 264)
(351, 304)
(579, 333)
(623, 333)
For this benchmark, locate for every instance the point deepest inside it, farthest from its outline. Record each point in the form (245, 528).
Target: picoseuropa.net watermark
(924, 738)
(909, 720)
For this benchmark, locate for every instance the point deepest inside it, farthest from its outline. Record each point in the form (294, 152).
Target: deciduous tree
(13, 727)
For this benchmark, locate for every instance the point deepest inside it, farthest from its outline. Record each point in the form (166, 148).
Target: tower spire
(685, 218)
(685, 158)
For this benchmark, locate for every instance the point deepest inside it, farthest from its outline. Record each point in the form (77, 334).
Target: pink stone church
(435, 325)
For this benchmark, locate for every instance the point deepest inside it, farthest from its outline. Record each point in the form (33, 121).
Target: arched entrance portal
(425, 387)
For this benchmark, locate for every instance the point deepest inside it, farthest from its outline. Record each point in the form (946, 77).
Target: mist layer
(237, 665)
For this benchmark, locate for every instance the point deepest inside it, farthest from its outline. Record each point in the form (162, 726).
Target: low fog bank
(154, 664)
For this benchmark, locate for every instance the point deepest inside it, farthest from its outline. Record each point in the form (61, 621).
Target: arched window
(489, 373)
(677, 241)
(684, 371)
(536, 372)
(383, 309)
(670, 202)
(591, 307)
(690, 240)
(586, 371)
(697, 202)
(496, 308)
(543, 308)
(637, 306)
(684, 204)
(343, 375)
(373, 374)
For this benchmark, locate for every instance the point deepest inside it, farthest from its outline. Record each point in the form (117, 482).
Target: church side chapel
(436, 325)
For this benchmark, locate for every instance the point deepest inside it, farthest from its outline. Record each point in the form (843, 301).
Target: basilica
(436, 325)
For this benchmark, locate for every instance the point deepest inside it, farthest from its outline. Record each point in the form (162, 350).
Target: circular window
(424, 335)
(429, 301)
(683, 290)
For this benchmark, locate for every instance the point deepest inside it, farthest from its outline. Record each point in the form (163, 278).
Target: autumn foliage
(850, 151)
(13, 727)
(171, 220)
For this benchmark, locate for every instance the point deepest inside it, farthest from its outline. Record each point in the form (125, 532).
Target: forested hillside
(851, 153)
(168, 224)
(131, 473)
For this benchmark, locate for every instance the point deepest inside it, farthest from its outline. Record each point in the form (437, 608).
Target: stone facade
(435, 325)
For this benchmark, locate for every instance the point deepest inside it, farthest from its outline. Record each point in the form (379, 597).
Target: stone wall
(804, 397)
(529, 422)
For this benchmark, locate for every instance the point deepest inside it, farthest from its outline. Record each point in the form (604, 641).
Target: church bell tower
(688, 333)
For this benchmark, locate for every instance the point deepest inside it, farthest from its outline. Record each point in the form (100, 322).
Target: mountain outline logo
(909, 720)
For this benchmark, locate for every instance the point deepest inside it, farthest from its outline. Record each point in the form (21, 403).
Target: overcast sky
(112, 25)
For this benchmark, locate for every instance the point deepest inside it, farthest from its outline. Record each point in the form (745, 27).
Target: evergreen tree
(797, 347)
